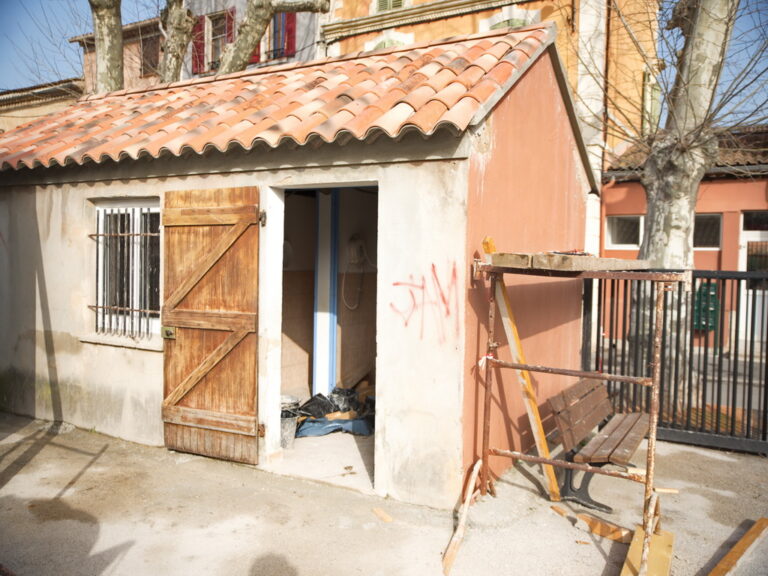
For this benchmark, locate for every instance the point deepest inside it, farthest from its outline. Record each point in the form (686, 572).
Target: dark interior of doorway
(338, 457)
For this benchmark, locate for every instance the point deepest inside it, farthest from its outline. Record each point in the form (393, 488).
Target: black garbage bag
(345, 399)
(317, 407)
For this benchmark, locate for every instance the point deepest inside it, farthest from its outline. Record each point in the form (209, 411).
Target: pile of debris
(346, 409)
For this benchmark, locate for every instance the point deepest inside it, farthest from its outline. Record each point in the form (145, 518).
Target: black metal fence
(714, 383)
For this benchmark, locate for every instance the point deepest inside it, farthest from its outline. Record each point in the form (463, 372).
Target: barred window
(706, 231)
(623, 231)
(128, 270)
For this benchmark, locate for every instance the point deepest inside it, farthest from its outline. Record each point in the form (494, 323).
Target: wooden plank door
(211, 245)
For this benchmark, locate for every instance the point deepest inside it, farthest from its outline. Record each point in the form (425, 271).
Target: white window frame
(132, 322)
(209, 18)
(610, 245)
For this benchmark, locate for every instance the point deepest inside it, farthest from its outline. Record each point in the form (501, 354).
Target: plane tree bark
(176, 25)
(107, 25)
(686, 148)
(258, 15)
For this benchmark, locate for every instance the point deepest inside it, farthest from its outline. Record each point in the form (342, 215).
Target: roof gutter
(716, 172)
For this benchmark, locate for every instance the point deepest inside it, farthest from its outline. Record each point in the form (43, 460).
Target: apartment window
(706, 231)
(218, 39)
(280, 38)
(623, 231)
(389, 5)
(128, 269)
(210, 36)
(150, 55)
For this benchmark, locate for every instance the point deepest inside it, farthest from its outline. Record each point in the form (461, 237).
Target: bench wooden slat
(630, 443)
(610, 443)
(576, 431)
(573, 394)
(586, 453)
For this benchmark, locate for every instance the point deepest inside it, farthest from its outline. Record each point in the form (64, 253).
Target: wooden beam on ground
(749, 541)
(660, 557)
(605, 529)
(458, 535)
(597, 526)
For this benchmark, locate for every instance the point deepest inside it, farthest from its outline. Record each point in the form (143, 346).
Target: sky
(34, 35)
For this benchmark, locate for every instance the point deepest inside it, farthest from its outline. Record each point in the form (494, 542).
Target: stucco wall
(420, 278)
(50, 366)
(528, 192)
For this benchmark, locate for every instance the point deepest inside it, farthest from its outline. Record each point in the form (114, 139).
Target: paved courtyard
(77, 502)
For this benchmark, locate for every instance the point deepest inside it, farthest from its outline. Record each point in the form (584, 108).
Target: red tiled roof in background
(738, 147)
(449, 84)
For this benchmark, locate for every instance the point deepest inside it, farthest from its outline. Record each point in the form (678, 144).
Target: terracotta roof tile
(470, 76)
(502, 72)
(439, 85)
(451, 94)
(441, 79)
(460, 113)
(484, 90)
(738, 149)
(420, 96)
(428, 116)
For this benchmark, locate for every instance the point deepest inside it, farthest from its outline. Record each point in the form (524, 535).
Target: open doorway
(329, 332)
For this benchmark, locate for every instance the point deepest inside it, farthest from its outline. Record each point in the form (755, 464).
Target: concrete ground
(77, 502)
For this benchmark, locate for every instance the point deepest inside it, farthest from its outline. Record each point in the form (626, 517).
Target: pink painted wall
(728, 197)
(525, 191)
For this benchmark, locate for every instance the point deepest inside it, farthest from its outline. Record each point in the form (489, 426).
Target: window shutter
(198, 46)
(290, 34)
(230, 25)
(256, 54)
(397, 4)
(383, 5)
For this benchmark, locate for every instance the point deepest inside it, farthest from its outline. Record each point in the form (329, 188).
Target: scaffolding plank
(659, 558)
(563, 262)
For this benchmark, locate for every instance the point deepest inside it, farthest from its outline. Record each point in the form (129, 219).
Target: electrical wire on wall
(357, 258)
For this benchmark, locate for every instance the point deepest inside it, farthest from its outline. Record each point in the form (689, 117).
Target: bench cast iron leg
(580, 494)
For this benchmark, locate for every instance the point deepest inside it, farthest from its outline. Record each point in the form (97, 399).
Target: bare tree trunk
(108, 32)
(258, 14)
(177, 24)
(681, 154)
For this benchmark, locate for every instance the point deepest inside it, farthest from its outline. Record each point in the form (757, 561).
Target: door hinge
(263, 218)
(262, 431)
(168, 332)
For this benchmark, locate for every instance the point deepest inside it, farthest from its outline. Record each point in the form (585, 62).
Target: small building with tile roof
(177, 260)
(22, 105)
(732, 204)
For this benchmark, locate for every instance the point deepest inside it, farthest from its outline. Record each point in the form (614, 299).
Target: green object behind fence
(706, 307)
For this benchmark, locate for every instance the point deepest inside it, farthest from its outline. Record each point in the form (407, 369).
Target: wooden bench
(577, 411)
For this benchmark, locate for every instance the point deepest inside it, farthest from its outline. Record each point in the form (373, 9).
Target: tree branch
(301, 5)
(108, 32)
